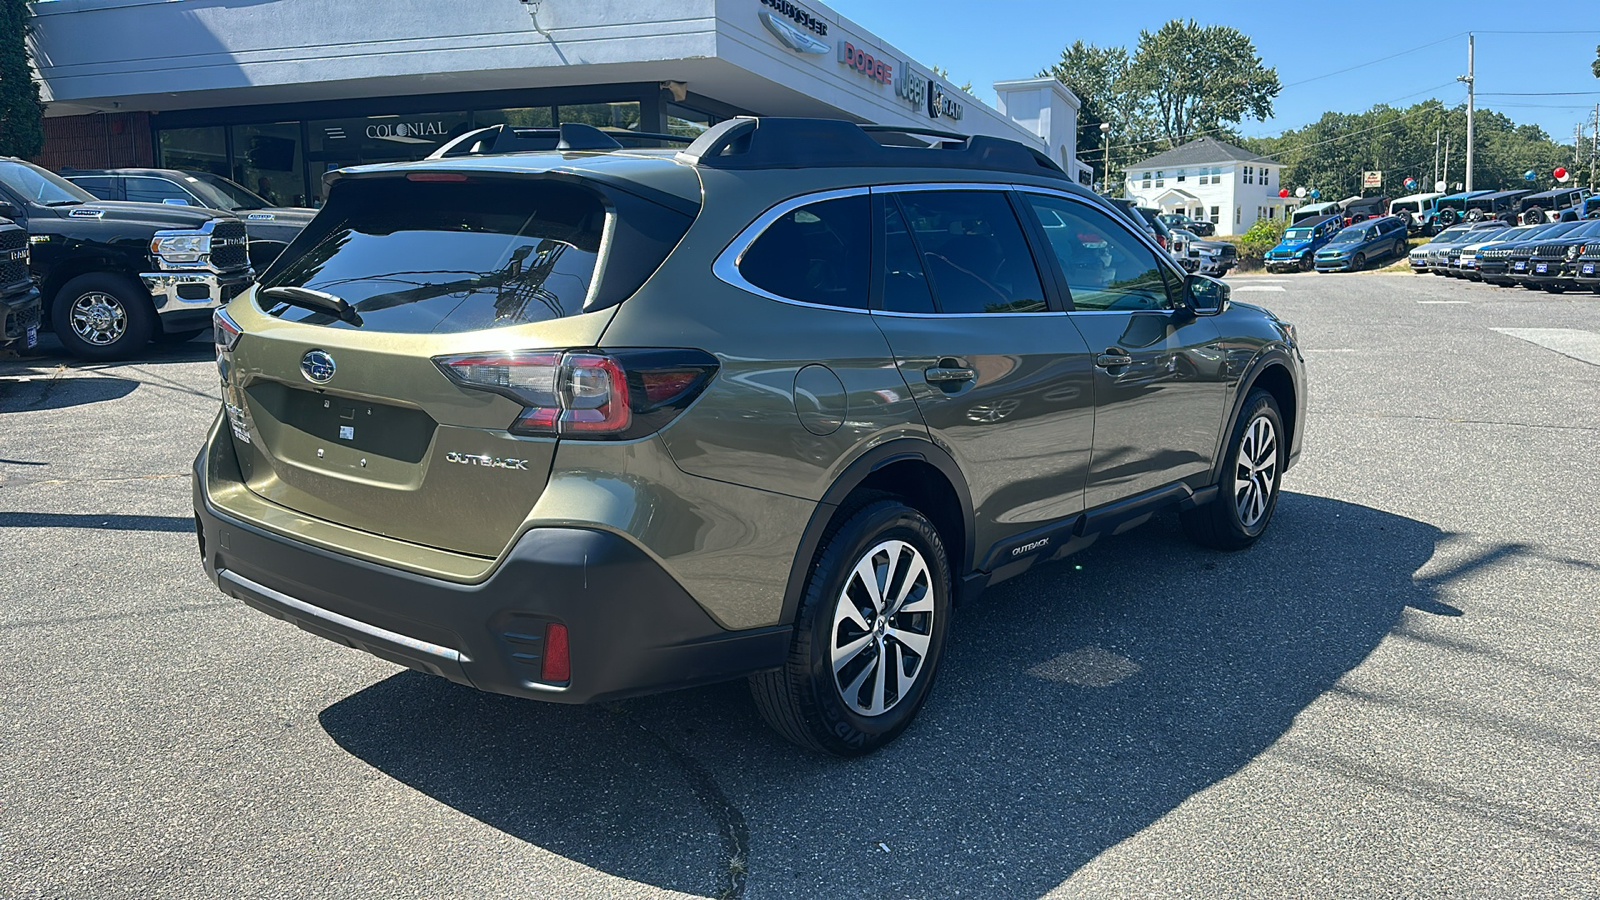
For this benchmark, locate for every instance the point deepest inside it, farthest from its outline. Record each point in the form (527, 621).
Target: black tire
(116, 317)
(1448, 217)
(1474, 215)
(1220, 524)
(181, 336)
(803, 701)
(1556, 288)
(1359, 263)
(1305, 263)
(1533, 215)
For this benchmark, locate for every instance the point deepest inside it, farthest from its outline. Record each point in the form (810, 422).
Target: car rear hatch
(358, 416)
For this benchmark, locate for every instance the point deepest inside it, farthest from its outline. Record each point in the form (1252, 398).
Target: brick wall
(100, 141)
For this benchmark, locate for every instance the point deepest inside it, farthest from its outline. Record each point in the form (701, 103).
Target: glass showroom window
(267, 159)
(195, 149)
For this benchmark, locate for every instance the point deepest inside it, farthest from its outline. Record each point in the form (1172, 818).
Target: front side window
(156, 190)
(973, 251)
(816, 253)
(1106, 267)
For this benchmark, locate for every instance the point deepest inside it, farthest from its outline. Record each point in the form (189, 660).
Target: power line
(1373, 62)
(1539, 94)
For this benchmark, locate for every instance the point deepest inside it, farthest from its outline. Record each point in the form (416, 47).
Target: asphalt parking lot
(1395, 693)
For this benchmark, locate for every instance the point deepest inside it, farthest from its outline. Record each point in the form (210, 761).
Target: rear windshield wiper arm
(318, 300)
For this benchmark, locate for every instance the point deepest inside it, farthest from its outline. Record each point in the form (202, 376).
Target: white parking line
(1583, 346)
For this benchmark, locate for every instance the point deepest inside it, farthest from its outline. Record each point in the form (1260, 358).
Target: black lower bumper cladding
(632, 628)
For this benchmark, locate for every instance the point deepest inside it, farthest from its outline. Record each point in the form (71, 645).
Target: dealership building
(273, 93)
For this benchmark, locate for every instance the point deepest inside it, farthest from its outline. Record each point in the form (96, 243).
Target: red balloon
(1559, 173)
(1283, 192)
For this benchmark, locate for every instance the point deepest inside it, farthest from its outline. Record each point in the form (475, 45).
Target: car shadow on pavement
(39, 394)
(1076, 706)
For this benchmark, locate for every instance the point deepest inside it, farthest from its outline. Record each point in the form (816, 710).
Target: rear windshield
(426, 257)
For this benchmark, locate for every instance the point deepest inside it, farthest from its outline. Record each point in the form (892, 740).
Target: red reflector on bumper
(557, 664)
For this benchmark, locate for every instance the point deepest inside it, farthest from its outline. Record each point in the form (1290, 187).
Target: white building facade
(277, 93)
(1212, 181)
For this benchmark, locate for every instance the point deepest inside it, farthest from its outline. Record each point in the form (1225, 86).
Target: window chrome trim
(726, 265)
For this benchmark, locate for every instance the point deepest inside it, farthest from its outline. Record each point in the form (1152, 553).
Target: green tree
(1596, 64)
(21, 112)
(1195, 78)
(1098, 77)
(1331, 153)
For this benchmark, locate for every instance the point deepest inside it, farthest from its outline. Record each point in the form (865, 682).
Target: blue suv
(1300, 242)
(1351, 249)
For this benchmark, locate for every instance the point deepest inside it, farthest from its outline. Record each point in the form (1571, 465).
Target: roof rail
(495, 139)
(787, 143)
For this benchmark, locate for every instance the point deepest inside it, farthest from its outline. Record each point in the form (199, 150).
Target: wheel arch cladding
(1275, 379)
(918, 472)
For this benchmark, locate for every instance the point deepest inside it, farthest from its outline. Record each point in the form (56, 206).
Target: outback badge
(317, 366)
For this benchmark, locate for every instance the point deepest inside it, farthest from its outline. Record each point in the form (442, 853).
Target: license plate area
(1520, 266)
(1588, 268)
(377, 429)
(1541, 268)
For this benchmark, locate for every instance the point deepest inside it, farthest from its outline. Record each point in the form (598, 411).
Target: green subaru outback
(585, 424)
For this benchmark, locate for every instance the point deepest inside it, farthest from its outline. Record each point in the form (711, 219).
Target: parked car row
(1550, 256)
(1430, 213)
(109, 275)
(1329, 244)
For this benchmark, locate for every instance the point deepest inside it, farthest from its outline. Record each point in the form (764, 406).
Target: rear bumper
(632, 629)
(18, 313)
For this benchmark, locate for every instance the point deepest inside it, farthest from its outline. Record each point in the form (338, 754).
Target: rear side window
(425, 257)
(815, 253)
(1105, 266)
(972, 251)
(102, 186)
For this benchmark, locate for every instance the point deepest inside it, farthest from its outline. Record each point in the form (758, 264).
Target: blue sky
(1000, 39)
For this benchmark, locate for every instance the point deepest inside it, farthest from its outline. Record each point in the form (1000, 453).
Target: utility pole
(1468, 79)
(1105, 138)
(1594, 152)
(1435, 180)
(1447, 141)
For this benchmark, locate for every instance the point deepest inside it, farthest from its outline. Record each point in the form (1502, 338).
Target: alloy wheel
(1255, 471)
(882, 628)
(99, 319)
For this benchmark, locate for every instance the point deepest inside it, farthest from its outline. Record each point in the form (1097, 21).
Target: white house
(1211, 181)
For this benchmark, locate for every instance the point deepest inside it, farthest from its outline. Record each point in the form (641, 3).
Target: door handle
(1113, 358)
(949, 374)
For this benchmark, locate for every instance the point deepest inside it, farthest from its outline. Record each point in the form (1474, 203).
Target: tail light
(225, 331)
(621, 395)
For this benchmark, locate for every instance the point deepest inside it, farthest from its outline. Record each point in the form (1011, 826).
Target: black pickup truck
(114, 276)
(271, 227)
(19, 299)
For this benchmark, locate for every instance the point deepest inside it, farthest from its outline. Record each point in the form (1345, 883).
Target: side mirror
(8, 210)
(1205, 295)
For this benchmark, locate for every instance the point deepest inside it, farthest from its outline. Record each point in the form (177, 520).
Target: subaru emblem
(317, 366)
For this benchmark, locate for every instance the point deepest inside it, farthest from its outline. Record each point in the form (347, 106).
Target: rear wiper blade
(307, 298)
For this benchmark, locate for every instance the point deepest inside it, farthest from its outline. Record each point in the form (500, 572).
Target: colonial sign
(858, 58)
(407, 129)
